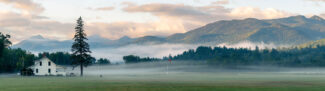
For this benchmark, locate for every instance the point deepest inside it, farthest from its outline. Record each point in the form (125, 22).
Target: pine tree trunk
(81, 69)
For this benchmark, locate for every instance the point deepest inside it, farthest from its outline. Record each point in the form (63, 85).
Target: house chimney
(44, 55)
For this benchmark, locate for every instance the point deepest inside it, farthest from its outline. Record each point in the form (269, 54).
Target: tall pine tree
(4, 42)
(80, 48)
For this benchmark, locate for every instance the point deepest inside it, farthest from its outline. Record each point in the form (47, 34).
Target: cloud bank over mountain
(245, 33)
(26, 18)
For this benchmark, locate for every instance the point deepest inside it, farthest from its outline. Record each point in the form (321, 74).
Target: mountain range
(39, 43)
(292, 30)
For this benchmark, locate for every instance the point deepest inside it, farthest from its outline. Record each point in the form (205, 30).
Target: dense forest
(223, 56)
(13, 60)
(137, 59)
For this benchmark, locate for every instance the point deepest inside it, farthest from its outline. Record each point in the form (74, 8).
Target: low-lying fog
(188, 67)
(115, 54)
(195, 72)
(161, 50)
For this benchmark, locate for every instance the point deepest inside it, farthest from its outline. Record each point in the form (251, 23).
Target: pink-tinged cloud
(105, 8)
(116, 30)
(221, 2)
(193, 17)
(108, 8)
(21, 26)
(172, 18)
(187, 15)
(251, 12)
(27, 6)
(317, 0)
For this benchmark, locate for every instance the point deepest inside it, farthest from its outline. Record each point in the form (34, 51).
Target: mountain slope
(39, 43)
(219, 32)
(291, 30)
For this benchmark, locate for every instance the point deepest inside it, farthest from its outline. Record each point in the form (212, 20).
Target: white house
(45, 66)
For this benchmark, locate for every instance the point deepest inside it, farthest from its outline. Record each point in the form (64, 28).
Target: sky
(56, 19)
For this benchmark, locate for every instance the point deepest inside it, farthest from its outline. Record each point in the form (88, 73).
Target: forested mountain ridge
(233, 57)
(291, 30)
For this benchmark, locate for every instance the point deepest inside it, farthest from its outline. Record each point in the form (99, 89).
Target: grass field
(246, 81)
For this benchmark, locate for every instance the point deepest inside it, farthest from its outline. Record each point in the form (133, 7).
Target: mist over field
(200, 69)
(115, 54)
(154, 50)
(161, 50)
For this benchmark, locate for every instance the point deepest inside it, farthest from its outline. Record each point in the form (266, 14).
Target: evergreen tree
(80, 48)
(4, 43)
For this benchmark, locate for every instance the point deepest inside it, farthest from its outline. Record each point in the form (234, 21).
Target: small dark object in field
(100, 76)
(71, 75)
(26, 72)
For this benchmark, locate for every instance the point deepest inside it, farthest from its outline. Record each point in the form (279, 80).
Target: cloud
(221, 2)
(10, 19)
(176, 18)
(205, 13)
(191, 17)
(165, 9)
(171, 18)
(27, 6)
(251, 12)
(187, 15)
(29, 22)
(317, 0)
(116, 30)
(128, 3)
(22, 26)
(105, 8)
(102, 8)
(251, 45)
(322, 15)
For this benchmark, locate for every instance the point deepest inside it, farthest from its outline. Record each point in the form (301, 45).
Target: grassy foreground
(172, 82)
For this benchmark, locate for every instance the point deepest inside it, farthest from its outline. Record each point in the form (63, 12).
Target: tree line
(136, 59)
(13, 60)
(223, 56)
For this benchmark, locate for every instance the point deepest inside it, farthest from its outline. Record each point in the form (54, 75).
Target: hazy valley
(247, 33)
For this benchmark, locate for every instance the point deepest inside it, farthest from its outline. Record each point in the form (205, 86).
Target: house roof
(45, 58)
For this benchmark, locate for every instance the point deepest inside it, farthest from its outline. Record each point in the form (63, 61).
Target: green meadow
(226, 81)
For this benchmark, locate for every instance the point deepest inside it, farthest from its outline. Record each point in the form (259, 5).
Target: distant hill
(39, 43)
(292, 30)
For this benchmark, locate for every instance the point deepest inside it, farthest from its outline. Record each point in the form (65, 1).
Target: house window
(40, 63)
(49, 63)
(36, 70)
(49, 70)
